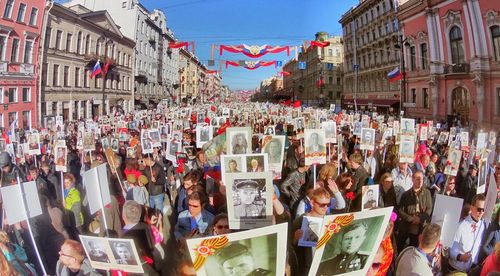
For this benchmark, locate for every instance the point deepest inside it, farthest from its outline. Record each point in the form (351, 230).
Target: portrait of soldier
(96, 252)
(250, 203)
(349, 259)
(370, 201)
(239, 144)
(313, 145)
(236, 259)
(273, 149)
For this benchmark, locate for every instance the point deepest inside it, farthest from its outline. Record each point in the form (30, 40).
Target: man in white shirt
(402, 176)
(467, 242)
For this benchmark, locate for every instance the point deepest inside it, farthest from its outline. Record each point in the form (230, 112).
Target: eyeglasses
(481, 210)
(222, 227)
(194, 206)
(323, 205)
(65, 255)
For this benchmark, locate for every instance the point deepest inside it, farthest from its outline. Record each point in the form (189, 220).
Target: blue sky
(257, 22)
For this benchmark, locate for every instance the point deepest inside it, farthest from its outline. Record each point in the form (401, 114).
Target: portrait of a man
(313, 144)
(97, 252)
(349, 259)
(61, 156)
(239, 144)
(370, 197)
(274, 150)
(236, 259)
(248, 201)
(115, 145)
(122, 252)
(255, 165)
(33, 141)
(105, 143)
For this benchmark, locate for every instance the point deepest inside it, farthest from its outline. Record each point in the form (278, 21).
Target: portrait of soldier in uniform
(236, 260)
(274, 148)
(96, 252)
(349, 259)
(313, 145)
(248, 201)
(370, 197)
(239, 144)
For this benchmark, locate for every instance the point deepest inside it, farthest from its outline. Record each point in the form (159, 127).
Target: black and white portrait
(407, 126)
(367, 139)
(147, 147)
(154, 136)
(255, 163)
(105, 142)
(311, 228)
(115, 144)
(370, 196)
(274, 149)
(249, 198)
(315, 149)
(357, 128)
(269, 130)
(123, 253)
(239, 140)
(299, 123)
(203, 134)
(96, 250)
(406, 149)
(330, 128)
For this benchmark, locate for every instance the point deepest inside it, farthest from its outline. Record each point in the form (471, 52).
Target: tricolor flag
(395, 75)
(97, 69)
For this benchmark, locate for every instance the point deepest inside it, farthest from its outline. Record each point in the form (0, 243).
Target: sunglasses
(323, 205)
(481, 210)
(222, 226)
(194, 206)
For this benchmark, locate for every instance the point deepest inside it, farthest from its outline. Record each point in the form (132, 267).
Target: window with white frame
(26, 94)
(13, 119)
(28, 51)
(21, 12)
(58, 40)
(9, 6)
(1, 95)
(69, 38)
(1, 120)
(55, 75)
(77, 76)
(495, 39)
(26, 119)
(12, 95)
(425, 97)
(15, 50)
(3, 47)
(456, 45)
(33, 16)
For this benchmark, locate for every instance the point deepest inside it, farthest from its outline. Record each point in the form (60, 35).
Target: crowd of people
(160, 203)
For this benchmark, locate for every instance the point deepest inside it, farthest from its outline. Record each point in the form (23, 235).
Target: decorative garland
(251, 65)
(254, 51)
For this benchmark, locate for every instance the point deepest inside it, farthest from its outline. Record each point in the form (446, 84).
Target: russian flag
(395, 75)
(97, 69)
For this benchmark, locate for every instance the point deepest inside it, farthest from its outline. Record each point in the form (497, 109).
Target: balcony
(457, 69)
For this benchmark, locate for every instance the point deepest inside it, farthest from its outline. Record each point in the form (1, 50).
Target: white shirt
(404, 182)
(467, 239)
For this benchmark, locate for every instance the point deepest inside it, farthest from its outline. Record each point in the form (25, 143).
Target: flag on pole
(395, 75)
(97, 69)
(106, 66)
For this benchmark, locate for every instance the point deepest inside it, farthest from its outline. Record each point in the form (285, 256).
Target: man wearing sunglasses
(467, 242)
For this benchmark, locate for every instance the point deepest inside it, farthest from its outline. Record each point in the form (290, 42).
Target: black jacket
(156, 188)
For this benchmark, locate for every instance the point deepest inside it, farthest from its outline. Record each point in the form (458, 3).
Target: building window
(28, 51)
(77, 77)
(21, 12)
(33, 16)
(86, 79)
(423, 55)
(55, 75)
(413, 95)
(48, 33)
(13, 119)
(15, 50)
(45, 81)
(58, 40)
(1, 95)
(3, 47)
(87, 44)
(495, 38)
(26, 94)
(330, 52)
(413, 57)
(79, 43)
(7, 13)
(425, 97)
(13, 95)
(66, 76)
(27, 119)
(69, 37)
(456, 45)
(1, 118)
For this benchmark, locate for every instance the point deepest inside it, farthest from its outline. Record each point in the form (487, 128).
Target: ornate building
(370, 35)
(20, 28)
(452, 55)
(74, 39)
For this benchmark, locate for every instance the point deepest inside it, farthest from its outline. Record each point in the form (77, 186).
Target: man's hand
(297, 235)
(465, 257)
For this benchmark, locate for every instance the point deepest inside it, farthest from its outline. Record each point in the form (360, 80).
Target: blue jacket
(183, 227)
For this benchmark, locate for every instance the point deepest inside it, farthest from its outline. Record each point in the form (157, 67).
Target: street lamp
(402, 96)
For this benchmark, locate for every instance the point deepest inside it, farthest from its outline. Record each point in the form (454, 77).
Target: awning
(373, 102)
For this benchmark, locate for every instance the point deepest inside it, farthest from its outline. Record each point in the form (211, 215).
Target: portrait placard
(239, 140)
(88, 141)
(257, 162)
(446, 213)
(370, 195)
(330, 128)
(311, 228)
(453, 162)
(173, 147)
(423, 134)
(204, 133)
(112, 254)
(12, 198)
(270, 130)
(407, 149)
(232, 164)
(367, 139)
(259, 251)
(249, 197)
(96, 185)
(154, 136)
(354, 234)
(315, 149)
(274, 146)
(60, 155)
(146, 145)
(357, 128)
(407, 126)
(34, 143)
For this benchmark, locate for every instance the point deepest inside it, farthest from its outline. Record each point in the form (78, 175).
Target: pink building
(452, 60)
(20, 29)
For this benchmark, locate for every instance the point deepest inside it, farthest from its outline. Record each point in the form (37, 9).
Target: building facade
(75, 38)
(20, 29)
(192, 75)
(452, 59)
(370, 35)
(316, 76)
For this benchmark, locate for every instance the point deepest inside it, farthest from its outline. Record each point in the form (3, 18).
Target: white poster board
(446, 213)
(96, 184)
(13, 202)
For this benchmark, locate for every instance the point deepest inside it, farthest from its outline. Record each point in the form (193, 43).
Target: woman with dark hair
(221, 225)
(344, 183)
(388, 191)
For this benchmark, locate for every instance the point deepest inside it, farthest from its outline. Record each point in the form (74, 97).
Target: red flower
(448, 163)
(350, 195)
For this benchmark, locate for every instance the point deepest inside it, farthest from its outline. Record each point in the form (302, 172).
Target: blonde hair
(328, 171)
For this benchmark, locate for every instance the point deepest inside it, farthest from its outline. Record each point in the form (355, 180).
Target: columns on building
(71, 110)
(433, 85)
(79, 110)
(59, 108)
(88, 108)
(479, 83)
